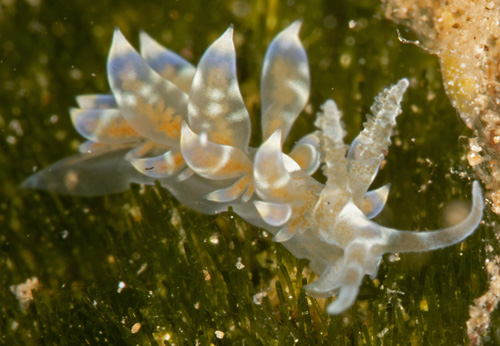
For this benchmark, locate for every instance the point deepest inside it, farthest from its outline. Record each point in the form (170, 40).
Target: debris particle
(121, 286)
(239, 265)
(214, 239)
(142, 269)
(23, 291)
(207, 275)
(135, 328)
(257, 298)
(480, 312)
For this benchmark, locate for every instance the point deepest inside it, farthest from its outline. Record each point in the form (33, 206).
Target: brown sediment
(480, 312)
(465, 34)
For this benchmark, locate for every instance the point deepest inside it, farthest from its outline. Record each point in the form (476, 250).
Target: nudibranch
(188, 128)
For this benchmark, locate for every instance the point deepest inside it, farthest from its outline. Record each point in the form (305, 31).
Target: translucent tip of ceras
(150, 50)
(147, 41)
(286, 40)
(294, 28)
(119, 45)
(225, 42)
(274, 214)
(283, 235)
(96, 101)
(374, 201)
(120, 49)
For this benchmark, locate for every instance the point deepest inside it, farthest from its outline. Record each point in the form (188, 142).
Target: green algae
(107, 263)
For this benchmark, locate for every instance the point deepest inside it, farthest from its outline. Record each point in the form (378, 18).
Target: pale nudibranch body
(189, 129)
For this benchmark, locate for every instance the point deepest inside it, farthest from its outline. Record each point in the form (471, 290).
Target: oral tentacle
(410, 241)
